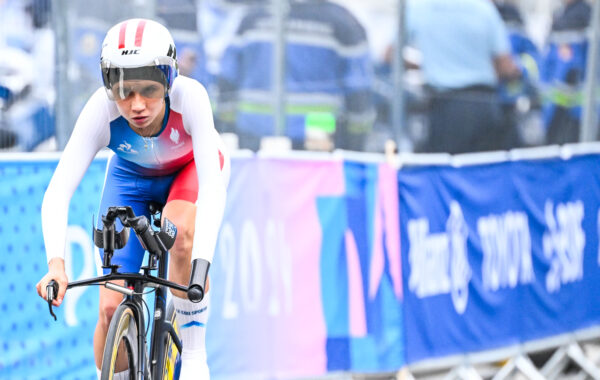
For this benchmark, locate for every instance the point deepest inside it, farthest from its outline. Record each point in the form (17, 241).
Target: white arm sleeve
(91, 133)
(212, 186)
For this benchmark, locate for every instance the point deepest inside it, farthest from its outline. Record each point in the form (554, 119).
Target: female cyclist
(161, 129)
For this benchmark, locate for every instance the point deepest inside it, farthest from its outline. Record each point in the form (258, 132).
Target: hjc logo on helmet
(130, 51)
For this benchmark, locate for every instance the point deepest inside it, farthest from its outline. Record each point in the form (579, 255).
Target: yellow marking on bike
(123, 327)
(171, 355)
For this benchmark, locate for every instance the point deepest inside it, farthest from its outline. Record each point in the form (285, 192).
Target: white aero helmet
(138, 49)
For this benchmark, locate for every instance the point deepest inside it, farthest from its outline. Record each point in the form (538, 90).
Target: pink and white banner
(307, 278)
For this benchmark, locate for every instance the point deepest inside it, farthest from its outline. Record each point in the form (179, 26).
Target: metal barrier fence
(338, 80)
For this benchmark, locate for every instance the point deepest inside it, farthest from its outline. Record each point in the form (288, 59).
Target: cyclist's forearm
(211, 163)
(54, 223)
(209, 214)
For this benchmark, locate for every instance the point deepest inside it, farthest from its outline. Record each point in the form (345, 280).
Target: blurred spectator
(27, 78)
(219, 21)
(465, 51)
(379, 18)
(519, 96)
(563, 71)
(14, 25)
(16, 75)
(327, 84)
(519, 40)
(187, 61)
(181, 17)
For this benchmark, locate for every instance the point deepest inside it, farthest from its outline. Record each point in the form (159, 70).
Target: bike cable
(142, 294)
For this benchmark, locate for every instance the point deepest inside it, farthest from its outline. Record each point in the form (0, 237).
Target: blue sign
(32, 344)
(493, 255)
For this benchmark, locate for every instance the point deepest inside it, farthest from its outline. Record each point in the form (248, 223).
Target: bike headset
(138, 49)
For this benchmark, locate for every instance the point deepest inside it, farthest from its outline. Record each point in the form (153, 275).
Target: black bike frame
(136, 283)
(160, 326)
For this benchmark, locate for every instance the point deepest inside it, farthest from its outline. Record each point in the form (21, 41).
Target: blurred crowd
(27, 88)
(475, 79)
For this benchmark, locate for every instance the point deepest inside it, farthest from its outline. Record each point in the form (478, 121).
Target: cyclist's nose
(138, 103)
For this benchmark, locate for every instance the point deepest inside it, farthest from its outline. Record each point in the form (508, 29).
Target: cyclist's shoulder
(99, 100)
(99, 108)
(186, 88)
(187, 85)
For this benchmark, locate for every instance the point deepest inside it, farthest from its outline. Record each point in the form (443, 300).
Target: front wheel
(121, 349)
(169, 364)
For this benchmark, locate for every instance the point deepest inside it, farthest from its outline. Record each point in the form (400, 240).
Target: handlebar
(52, 288)
(198, 277)
(156, 242)
(51, 293)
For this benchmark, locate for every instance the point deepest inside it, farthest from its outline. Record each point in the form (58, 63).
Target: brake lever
(51, 292)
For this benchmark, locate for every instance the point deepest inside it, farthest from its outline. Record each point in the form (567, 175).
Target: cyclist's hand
(56, 272)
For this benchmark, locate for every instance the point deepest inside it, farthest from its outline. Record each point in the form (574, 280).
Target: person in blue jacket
(563, 72)
(328, 76)
(518, 96)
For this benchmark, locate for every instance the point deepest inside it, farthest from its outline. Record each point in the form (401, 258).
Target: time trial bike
(126, 342)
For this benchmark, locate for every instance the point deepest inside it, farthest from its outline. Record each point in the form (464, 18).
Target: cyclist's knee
(109, 301)
(183, 241)
(106, 312)
(183, 215)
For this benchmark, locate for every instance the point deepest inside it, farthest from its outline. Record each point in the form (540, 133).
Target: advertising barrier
(306, 279)
(32, 344)
(309, 282)
(329, 264)
(498, 254)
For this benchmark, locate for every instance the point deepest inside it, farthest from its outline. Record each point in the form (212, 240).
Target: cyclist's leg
(191, 317)
(122, 187)
(183, 214)
(180, 209)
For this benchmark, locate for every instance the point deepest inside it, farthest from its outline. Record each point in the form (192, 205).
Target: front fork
(162, 327)
(143, 370)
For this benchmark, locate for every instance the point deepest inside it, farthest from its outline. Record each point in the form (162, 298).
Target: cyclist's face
(140, 102)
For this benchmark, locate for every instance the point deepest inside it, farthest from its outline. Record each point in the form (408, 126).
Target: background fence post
(398, 102)
(280, 8)
(62, 108)
(589, 122)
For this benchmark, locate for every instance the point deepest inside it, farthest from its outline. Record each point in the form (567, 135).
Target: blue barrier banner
(32, 344)
(498, 254)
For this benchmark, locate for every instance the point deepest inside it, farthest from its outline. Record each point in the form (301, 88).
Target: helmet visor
(152, 81)
(146, 88)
